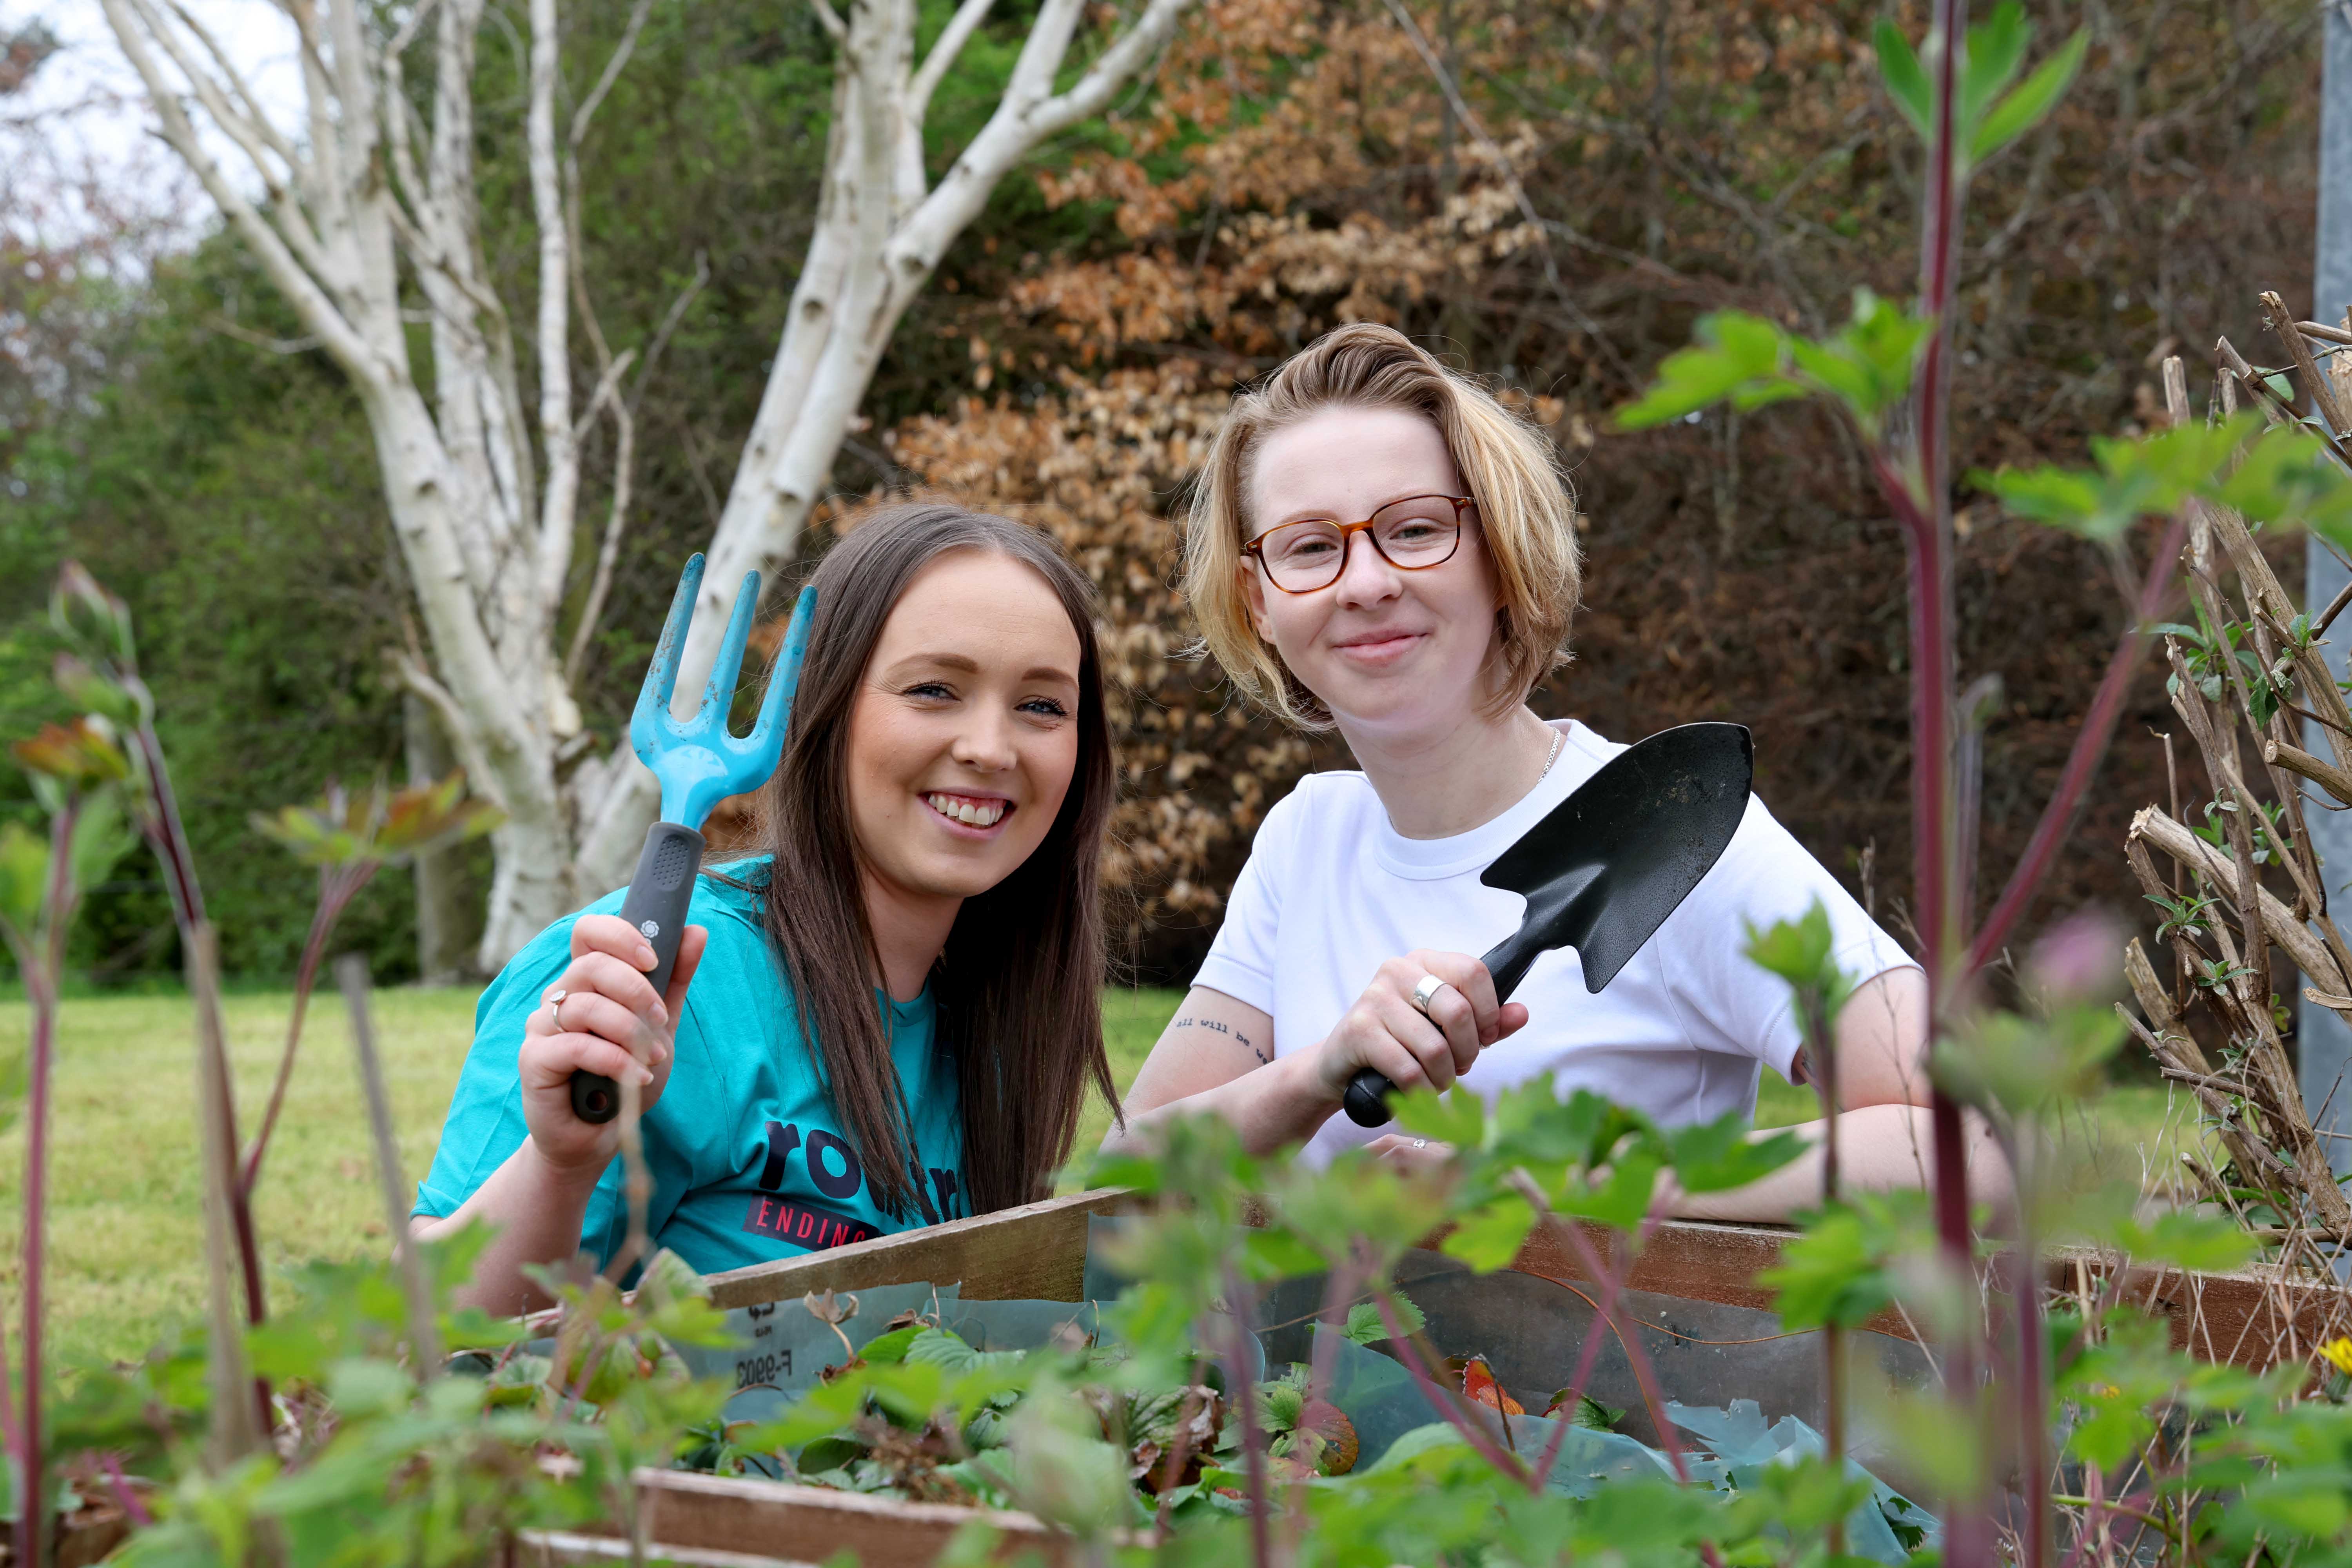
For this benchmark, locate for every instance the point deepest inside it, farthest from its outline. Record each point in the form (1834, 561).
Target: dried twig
(424, 1336)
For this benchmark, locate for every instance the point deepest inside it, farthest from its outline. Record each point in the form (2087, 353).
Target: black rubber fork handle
(655, 904)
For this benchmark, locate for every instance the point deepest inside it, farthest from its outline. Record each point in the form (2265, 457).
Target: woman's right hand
(1384, 1031)
(610, 1023)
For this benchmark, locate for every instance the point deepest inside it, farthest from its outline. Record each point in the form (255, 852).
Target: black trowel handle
(656, 905)
(1367, 1099)
(1366, 1102)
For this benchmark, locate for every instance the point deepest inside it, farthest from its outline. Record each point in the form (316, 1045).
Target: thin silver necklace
(1551, 756)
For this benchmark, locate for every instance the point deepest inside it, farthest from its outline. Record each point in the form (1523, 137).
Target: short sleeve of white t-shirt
(1330, 891)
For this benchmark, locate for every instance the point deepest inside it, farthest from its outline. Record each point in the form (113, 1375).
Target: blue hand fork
(699, 764)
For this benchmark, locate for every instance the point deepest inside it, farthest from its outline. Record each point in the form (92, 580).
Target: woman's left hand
(1410, 1156)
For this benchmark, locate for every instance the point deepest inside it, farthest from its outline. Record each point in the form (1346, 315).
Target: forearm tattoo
(1230, 1033)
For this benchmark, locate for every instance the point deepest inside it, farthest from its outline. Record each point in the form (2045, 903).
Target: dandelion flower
(2339, 1353)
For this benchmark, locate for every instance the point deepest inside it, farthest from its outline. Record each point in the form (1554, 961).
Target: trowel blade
(1606, 866)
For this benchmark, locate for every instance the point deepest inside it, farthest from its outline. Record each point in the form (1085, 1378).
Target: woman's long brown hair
(1018, 987)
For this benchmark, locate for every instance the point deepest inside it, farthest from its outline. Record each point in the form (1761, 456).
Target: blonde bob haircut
(1527, 515)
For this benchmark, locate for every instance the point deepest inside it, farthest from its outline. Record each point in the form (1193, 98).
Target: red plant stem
(1574, 1393)
(167, 837)
(1926, 512)
(1932, 839)
(11, 1444)
(1180, 1455)
(1603, 1308)
(160, 825)
(124, 1497)
(1502, 1458)
(1821, 1057)
(2090, 745)
(2032, 1399)
(1638, 1358)
(1330, 1323)
(337, 889)
(1245, 1403)
(1332, 1320)
(42, 979)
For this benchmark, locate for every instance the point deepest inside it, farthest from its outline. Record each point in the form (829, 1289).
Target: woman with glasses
(1380, 547)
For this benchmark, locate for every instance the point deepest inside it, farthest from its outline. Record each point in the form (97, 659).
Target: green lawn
(125, 1222)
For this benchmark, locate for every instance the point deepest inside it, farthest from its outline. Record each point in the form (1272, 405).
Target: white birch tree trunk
(483, 494)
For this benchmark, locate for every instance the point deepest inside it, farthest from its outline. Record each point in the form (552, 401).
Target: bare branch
(2278, 921)
(229, 329)
(612, 73)
(251, 115)
(831, 20)
(409, 29)
(625, 425)
(310, 302)
(960, 29)
(2297, 761)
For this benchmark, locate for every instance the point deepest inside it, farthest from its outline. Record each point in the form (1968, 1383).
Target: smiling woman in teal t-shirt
(890, 1018)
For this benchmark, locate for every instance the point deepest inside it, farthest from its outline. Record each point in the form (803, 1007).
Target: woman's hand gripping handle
(601, 1017)
(1423, 1019)
(655, 908)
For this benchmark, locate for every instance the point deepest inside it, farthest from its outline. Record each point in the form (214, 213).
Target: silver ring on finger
(1425, 992)
(555, 1010)
(1420, 1142)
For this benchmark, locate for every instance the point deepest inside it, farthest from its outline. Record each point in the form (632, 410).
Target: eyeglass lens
(1421, 530)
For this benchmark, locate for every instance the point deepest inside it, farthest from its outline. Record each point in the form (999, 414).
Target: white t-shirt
(1331, 892)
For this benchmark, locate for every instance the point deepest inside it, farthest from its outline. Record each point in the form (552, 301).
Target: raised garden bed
(1708, 1326)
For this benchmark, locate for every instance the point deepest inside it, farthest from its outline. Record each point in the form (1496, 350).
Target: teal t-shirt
(748, 1160)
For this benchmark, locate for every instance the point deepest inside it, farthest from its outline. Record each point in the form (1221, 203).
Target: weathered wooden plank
(688, 1512)
(570, 1549)
(2253, 1317)
(1036, 1252)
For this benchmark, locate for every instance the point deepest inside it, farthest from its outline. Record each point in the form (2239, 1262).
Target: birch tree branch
(311, 302)
(250, 117)
(559, 448)
(612, 72)
(960, 29)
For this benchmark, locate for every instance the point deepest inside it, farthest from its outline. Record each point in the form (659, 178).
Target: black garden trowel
(1606, 866)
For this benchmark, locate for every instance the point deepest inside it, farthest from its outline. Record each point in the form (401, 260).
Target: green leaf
(1797, 950)
(2134, 479)
(102, 835)
(2039, 93)
(1907, 84)
(1737, 356)
(24, 877)
(1490, 1235)
(1365, 1326)
(2208, 1243)
(942, 1348)
(1457, 1119)
(2287, 476)
(2029, 1065)
(1621, 1201)
(1996, 49)
(1839, 1272)
(1869, 365)
(1716, 1156)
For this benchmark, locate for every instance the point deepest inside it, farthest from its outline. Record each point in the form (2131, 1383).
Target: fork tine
(720, 695)
(785, 678)
(661, 675)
